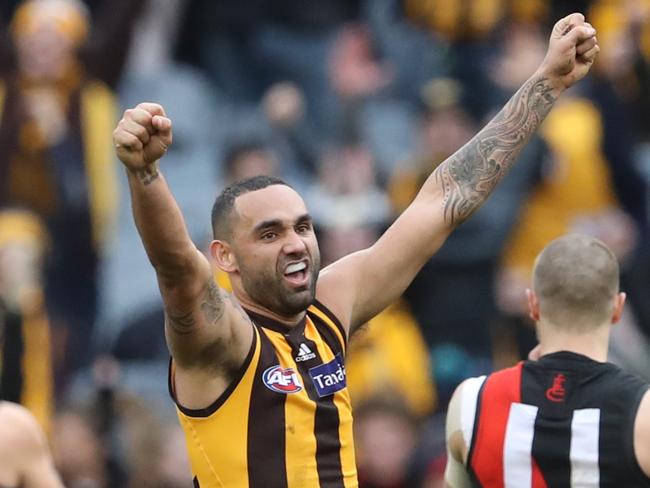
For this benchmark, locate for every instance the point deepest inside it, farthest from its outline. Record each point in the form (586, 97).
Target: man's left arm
(362, 284)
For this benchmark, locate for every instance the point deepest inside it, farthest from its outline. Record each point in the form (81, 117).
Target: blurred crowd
(353, 102)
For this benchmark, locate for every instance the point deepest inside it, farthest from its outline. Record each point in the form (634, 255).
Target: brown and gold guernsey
(286, 420)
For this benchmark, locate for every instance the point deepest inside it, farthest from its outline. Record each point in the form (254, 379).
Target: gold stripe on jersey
(332, 323)
(216, 440)
(342, 403)
(256, 436)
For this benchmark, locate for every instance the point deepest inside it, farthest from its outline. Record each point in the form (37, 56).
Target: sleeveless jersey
(562, 421)
(286, 420)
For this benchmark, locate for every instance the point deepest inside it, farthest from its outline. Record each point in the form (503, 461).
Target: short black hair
(225, 202)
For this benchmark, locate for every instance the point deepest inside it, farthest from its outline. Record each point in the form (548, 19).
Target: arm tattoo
(469, 176)
(183, 323)
(211, 306)
(148, 175)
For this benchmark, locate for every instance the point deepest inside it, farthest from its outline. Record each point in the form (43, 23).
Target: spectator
(55, 148)
(346, 191)
(25, 356)
(386, 437)
(78, 453)
(247, 159)
(388, 350)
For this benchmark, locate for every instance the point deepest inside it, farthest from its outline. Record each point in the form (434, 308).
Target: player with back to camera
(25, 459)
(258, 375)
(568, 418)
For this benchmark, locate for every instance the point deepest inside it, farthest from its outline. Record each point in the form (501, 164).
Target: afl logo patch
(281, 380)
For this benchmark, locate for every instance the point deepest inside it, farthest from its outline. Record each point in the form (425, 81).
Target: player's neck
(288, 320)
(593, 343)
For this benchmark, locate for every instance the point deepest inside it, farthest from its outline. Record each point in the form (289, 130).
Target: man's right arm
(203, 330)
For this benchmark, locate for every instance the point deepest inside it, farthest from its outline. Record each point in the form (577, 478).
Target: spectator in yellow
(471, 19)
(56, 157)
(25, 358)
(386, 352)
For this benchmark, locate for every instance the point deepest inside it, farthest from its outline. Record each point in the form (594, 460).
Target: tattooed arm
(206, 334)
(468, 177)
(362, 284)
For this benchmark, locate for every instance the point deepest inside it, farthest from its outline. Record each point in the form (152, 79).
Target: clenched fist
(142, 136)
(571, 51)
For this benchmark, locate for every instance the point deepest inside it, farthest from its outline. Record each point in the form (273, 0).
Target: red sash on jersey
(499, 392)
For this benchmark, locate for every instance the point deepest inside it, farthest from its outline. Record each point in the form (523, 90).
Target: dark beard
(269, 292)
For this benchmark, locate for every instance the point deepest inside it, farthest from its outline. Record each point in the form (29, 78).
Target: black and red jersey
(562, 421)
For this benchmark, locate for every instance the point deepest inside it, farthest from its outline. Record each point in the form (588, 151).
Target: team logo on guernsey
(557, 392)
(281, 380)
(329, 378)
(304, 353)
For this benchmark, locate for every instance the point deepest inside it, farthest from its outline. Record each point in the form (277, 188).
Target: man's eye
(304, 228)
(268, 236)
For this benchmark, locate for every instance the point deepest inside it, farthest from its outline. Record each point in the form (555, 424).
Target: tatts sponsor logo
(330, 377)
(281, 380)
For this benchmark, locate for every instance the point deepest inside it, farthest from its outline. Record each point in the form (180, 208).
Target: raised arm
(204, 331)
(362, 284)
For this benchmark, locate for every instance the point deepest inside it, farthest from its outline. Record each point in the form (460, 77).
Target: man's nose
(294, 243)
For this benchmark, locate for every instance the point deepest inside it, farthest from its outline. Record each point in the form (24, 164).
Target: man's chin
(299, 301)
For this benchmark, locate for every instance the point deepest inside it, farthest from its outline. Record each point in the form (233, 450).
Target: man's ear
(533, 304)
(223, 256)
(619, 303)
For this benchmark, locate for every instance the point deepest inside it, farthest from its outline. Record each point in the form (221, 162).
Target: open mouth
(297, 274)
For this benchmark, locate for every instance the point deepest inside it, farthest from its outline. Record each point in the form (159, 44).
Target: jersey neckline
(568, 359)
(274, 325)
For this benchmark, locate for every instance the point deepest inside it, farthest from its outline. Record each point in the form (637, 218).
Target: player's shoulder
(19, 425)
(15, 413)
(627, 379)
(468, 387)
(643, 415)
(467, 383)
(461, 415)
(642, 433)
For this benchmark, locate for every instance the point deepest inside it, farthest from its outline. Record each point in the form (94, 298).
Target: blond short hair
(576, 279)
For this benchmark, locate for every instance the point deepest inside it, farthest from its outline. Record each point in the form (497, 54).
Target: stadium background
(353, 102)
